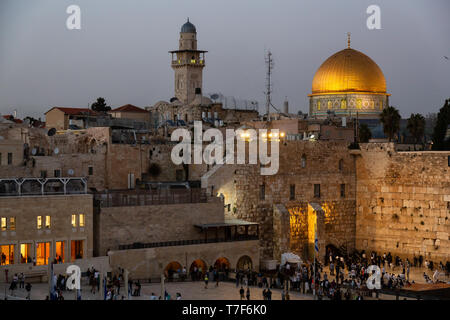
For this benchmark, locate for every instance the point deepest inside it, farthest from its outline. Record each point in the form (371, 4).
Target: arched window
(303, 161)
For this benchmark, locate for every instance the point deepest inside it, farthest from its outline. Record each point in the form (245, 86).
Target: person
(264, 294)
(178, 296)
(217, 280)
(206, 280)
(283, 295)
(13, 287)
(242, 291)
(28, 289)
(153, 296)
(269, 294)
(21, 280)
(248, 293)
(287, 296)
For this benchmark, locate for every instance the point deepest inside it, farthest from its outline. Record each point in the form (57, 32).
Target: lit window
(25, 253)
(74, 220)
(192, 60)
(81, 220)
(12, 223)
(47, 222)
(4, 224)
(318, 105)
(39, 222)
(7, 254)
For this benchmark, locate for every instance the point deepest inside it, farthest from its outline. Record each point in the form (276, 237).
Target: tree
(364, 133)
(440, 130)
(100, 105)
(416, 126)
(390, 118)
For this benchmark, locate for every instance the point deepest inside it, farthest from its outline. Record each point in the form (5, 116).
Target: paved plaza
(188, 290)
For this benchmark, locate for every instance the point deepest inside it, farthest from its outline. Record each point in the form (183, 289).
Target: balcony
(190, 62)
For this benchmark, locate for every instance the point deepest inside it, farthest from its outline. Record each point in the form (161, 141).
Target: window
(3, 223)
(303, 161)
(76, 249)
(317, 191)
(39, 222)
(7, 254)
(42, 253)
(1, 159)
(25, 253)
(341, 165)
(74, 220)
(43, 174)
(447, 160)
(12, 223)
(59, 251)
(292, 192)
(82, 221)
(91, 171)
(47, 222)
(262, 192)
(10, 158)
(57, 173)
(342, 190)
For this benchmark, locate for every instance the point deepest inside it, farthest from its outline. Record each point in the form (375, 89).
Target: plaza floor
(188, 291)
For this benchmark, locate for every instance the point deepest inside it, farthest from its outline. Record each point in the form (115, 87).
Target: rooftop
(129, 108)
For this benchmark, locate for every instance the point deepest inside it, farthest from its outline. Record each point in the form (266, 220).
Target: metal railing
(18, 187)
(128, 198)
(186, 242)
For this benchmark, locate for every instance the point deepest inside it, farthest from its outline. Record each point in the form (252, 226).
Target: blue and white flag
(316, 243)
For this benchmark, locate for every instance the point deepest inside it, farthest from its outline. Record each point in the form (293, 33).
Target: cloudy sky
(121, 51)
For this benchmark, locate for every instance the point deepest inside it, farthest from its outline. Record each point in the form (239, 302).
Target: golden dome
(348, 71)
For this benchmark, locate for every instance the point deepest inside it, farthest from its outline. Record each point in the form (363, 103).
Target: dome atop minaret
(188, 28)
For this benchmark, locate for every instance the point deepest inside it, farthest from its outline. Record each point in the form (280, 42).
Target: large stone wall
(240, 185)
(403, 202)
(155, 223)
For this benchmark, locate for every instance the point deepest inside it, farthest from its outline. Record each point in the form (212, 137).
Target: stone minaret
(188, 64)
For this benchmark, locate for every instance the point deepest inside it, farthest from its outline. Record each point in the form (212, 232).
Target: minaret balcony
(189, 62)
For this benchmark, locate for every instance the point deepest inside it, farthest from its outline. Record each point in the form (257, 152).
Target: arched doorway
(244, 263)
(222, 264)
(197, 269)
(331, 251)
(173, 268)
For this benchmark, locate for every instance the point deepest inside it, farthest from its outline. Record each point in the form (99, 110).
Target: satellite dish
(51, 132)
(215, 96)
(70, 172)
(56, 151)
(34, 151)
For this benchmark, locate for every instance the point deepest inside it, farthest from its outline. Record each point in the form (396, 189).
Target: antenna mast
(269, 64)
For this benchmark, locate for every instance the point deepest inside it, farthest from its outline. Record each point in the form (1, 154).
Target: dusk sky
(121, 51)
